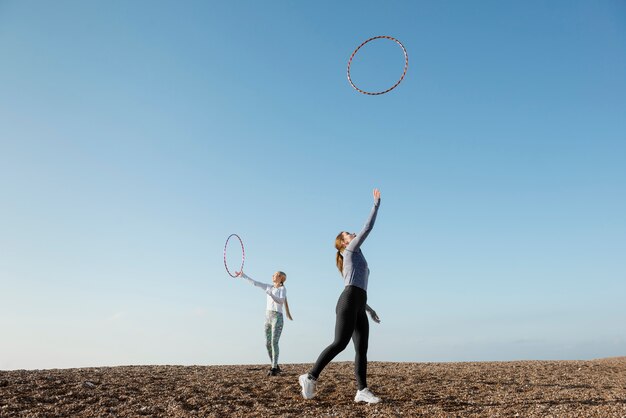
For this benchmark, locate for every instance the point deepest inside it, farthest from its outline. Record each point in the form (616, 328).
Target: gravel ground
(488, 389)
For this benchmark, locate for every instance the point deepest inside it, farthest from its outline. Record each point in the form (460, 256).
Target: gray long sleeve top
(355, 269)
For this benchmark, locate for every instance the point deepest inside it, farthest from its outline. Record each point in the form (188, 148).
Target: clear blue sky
(136, 136)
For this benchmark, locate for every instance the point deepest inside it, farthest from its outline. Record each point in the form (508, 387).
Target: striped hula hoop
(243, 254)
(406, 65)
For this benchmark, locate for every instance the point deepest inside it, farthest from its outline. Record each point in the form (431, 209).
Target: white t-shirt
(276, 296)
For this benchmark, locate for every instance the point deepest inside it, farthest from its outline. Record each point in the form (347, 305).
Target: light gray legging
(273, 329)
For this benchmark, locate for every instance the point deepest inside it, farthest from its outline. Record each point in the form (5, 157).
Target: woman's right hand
(376, 195)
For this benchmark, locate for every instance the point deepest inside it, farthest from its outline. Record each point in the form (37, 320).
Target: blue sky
(136, 136)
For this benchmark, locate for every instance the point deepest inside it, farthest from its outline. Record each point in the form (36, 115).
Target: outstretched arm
(254, 282)
(355, 244)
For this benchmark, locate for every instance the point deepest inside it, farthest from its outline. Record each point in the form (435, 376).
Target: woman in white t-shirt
(276, 298)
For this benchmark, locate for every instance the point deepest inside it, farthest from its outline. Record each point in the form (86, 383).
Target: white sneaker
(365, 396)
(308, 386)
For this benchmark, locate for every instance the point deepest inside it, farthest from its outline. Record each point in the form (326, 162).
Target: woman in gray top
(351, 317)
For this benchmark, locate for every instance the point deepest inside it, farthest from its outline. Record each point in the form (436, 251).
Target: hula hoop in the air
(243, 254)
(406, 66)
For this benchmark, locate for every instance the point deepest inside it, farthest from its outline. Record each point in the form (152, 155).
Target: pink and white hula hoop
(406, 65)
(243, 254)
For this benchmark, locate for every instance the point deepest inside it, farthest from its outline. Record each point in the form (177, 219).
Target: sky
(135, 137)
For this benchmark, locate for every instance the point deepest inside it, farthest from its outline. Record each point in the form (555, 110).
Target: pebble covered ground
(543, 389)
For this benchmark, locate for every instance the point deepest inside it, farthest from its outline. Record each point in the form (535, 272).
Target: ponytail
(339, 245)
(339, 261)
(287, 310)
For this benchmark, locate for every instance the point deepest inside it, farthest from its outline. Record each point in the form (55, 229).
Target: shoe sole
(367, 402)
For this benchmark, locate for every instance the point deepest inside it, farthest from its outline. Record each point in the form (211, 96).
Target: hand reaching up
(376, 196)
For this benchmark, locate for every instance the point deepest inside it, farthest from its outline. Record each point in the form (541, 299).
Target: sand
(594, 388)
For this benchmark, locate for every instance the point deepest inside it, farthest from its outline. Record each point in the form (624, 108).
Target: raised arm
(355, 244)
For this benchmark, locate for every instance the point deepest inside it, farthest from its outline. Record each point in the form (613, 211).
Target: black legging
(351, 323)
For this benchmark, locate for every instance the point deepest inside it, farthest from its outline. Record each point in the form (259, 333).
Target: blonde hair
(340, 246)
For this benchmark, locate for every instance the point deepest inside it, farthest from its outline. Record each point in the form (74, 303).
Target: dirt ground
(488, 389)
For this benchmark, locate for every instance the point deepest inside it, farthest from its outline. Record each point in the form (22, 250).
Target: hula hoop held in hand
(243, 255)
(406, 66)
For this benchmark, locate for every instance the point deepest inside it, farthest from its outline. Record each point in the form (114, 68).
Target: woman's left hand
(374, 316)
